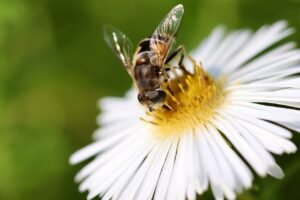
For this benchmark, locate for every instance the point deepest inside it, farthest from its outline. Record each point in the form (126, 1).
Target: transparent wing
(164, 35)
(120, 45)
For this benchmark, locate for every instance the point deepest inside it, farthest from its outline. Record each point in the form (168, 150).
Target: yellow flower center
(192, 100)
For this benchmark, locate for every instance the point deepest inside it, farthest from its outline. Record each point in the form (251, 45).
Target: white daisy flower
(224, 122)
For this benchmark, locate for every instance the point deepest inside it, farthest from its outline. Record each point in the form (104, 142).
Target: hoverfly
(148, 65)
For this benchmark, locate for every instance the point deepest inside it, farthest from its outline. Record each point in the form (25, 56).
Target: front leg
(179, 51)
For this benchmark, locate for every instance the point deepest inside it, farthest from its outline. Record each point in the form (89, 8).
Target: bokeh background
(54, 66)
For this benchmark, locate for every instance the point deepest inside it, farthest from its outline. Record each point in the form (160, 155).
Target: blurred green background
(54, 66)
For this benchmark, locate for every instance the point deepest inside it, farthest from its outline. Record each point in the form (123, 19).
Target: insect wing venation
(164, 35)
(120, 44)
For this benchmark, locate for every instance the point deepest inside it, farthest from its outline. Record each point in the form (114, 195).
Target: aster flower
(225, 120)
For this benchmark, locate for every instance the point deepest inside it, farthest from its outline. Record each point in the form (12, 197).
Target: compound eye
(156, 96)
(141, 97)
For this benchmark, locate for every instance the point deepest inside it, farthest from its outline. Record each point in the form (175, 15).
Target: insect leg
(180, 63)
(179, 50)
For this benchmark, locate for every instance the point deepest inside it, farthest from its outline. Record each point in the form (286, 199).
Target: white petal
(241, 145)
(208, 46)
(113, 173)
(259, 64)
(231, 47)
(148, 186)
(272, 168)
(165, 177)
(285, 95)
(262, 39)
(210, 164)
(243, 174)
(272, 142)
(191, 167)
(98, 146)
(119, 127)
(105, 167)
(200, 165)
(227, 179)
(276, 114)
(178, 182)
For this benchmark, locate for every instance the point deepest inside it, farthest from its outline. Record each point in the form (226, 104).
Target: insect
(148, 67)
